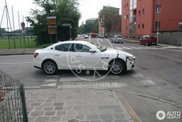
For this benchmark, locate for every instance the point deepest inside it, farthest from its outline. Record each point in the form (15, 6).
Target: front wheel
(117, 67)
(49, 67)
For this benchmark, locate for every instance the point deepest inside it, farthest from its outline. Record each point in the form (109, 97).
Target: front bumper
(130, 62)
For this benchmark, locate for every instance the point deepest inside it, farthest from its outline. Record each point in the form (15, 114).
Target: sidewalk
(17, 51)
(159, 45)
(75, 105)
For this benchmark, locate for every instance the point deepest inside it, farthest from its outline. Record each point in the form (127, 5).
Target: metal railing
(12, 99)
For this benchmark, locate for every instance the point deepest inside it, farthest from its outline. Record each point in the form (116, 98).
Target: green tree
(2, 30)
(66, 11)
(109, 18)
(89, 27)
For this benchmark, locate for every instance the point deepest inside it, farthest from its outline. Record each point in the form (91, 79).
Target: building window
(143, 26)
(157, 25)
(138, 26)
(143, 11)
(158, 8)
(139, 13)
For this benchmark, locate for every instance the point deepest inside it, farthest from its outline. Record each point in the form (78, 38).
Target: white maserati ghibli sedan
(82, 55)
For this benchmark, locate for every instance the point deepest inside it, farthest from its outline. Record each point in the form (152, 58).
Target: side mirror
(92, 51)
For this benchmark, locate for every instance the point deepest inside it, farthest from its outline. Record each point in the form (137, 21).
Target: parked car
(148, 40)
(86, 36)
(117, 39)
(74, 54)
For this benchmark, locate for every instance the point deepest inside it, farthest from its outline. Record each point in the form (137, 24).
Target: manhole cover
(73, 120)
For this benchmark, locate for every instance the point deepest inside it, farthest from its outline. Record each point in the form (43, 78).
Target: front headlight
(131, 58)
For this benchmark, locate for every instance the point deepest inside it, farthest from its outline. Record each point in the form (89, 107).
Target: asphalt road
(155, 83)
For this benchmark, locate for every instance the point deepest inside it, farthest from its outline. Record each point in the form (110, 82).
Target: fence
(172, 38)
(12, 100)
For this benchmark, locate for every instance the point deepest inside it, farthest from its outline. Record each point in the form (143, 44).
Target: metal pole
(70, 32)
(158, 21)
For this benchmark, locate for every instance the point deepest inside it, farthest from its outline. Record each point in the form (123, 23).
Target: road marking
(138, 75)
(49, 80)
(50, 85)
(148, 82)
(128, 107)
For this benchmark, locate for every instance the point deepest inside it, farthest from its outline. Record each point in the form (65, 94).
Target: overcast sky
(88, 8)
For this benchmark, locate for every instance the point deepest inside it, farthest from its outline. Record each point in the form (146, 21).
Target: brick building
(141, 17)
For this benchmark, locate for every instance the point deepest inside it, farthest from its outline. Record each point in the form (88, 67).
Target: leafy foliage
(89, 27)
(109, 18)
(66, 11)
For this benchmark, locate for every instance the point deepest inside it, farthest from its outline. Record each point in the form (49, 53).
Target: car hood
(116, 52)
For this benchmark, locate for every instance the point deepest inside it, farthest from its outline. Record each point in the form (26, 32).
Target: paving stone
(109, 106)
(38, 108)
(77, 108)
(47, 104)
(119, 116)
(55, 118)
(71, 113)
(118, 111)
(61, 112)
(51, 113)
(31, 118)
(121, 120)
(66, 118)
(106, 117)
(92, 117)
(36, 113)
(48, 108)
(35, 104)
(109, 120)
(42, 119)
(58, 108)
(96, 121)
(80, 117)
(58, 104)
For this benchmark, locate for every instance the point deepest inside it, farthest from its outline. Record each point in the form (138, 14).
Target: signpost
(66, 24)
(52, 27)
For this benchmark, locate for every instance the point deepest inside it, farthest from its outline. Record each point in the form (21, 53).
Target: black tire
(117, 67)
(49, 67)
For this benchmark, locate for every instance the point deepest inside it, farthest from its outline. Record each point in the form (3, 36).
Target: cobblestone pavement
(75, 105)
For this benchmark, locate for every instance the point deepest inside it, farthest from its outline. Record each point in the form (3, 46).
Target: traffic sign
(51, 20)
(52, 30)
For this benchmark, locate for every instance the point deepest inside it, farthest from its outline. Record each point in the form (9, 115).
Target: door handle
(78, 56)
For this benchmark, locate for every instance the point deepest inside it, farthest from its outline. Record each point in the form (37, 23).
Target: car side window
(64, 47)
(81, 48)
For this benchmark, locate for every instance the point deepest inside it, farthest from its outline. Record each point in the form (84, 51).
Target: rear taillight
(35, 55)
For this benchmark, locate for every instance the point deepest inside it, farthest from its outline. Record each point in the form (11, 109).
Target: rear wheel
(49, 67)
(117, 67)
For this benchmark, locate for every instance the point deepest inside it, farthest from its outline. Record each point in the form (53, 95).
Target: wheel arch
(49, 60)
(119, 60)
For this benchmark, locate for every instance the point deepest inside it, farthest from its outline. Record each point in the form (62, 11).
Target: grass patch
(17, 43)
